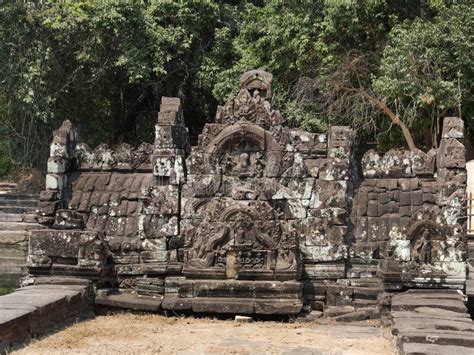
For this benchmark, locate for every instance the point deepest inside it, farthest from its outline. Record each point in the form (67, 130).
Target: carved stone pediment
(243, 240)
(253, 103)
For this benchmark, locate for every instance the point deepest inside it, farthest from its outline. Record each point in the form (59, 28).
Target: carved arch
(250, 132)
(434, 228)
(246, 131)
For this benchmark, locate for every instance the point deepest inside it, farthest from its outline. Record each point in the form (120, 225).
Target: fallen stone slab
(243, 319)
(358, 315)
(223, 305)
(60, 280)
(175, 303)
(246, 305)
(312, 316)
(334, 311)
(129, 301)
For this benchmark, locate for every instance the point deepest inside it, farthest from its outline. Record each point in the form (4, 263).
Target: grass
(6, 290)
(132, 333)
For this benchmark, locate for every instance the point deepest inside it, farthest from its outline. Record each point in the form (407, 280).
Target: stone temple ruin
(257, 218)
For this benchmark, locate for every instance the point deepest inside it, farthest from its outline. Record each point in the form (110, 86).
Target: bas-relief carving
(426, 239)
(249, 233)
(237, 238)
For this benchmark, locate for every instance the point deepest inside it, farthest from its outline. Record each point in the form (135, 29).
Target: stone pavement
(36, 310)
(432, 322)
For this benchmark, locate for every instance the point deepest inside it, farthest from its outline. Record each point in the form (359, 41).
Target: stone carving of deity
(423, 248)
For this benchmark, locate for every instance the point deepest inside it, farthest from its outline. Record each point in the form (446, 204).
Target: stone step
(16, 217)
(423, 348)
(17, 209)
(12, 236)
(19, 203)
(432, 322)
(6, 187)
(428, 323)
(13, 252)
(436, 336)
(429, 294)
(409, 304)
(18, 196)
(20, 226)
(12, 264)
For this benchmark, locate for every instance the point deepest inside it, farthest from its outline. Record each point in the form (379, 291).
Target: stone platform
(33, 311)
(432, 322)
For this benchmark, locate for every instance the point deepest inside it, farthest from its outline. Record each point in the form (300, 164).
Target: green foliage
(6, 290)
(106, 64)
(430, 65)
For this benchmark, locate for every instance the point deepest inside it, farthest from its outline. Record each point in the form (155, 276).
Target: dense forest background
(389, 68)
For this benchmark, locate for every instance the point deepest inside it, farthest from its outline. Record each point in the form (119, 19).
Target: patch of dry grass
(129, 333)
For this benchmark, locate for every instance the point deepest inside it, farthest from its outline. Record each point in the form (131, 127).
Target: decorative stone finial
(257, 80)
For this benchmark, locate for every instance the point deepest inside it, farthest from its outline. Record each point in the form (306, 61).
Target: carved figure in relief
(423, 248)
(240, 235)
(426, 242)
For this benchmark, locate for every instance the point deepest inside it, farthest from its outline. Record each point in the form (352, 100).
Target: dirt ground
(152, 334)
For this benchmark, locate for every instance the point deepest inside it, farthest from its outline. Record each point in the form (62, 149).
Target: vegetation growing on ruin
(390, 69)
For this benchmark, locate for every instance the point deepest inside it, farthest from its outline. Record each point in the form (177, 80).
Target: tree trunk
(396, 119)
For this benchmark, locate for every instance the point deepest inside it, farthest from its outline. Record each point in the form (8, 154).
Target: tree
(105, 66)
(428, 65)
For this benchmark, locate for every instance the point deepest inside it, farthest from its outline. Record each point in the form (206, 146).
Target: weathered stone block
(56, 165)
(170, 136)
(373, 209)
(78, 249)
(451, 154)
(453, 127)
(171, 167)
(55, 181)
(417, 198)
(323, 271)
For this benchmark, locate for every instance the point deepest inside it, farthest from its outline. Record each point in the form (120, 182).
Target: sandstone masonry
(257, 218)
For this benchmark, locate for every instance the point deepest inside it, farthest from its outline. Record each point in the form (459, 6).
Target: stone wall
(257, 218)
(409, 214)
